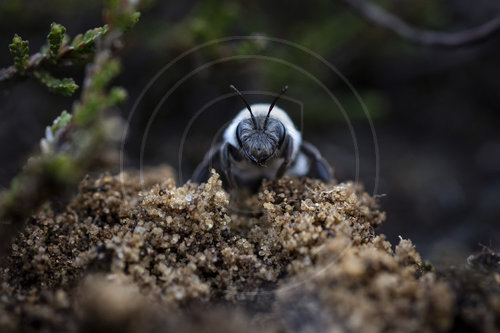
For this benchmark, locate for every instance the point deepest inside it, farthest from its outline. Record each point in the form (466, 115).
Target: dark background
(435, 110)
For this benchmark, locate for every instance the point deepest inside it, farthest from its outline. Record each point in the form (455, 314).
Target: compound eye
(238, 134)
(282, 134)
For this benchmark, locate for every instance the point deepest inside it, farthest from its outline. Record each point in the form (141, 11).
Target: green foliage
(60, 122)
(19, 50)
(85, 42)
(57, 50)
(61, 168)
(87, 112)
(129, 21)
(54, 132)
(95, 98)
(55, 39)
(65, 86)
(108, 71)
(122, 17)
(75, 143)
(117, 95)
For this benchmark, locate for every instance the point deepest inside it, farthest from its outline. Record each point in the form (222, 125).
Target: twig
(422, 36)
(36, 61)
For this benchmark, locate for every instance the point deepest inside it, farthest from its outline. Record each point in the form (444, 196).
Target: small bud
(19, 50)
(55, 39)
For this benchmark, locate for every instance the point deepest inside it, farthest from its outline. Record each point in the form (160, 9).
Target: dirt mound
(299, 256)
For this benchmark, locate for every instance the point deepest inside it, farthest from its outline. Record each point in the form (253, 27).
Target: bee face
(269, 142)
(260, 140)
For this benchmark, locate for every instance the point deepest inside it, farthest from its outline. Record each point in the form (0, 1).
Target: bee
(262, 142)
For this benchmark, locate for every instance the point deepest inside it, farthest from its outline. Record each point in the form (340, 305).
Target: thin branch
(422, 36)
(64, 53)
(36, 61)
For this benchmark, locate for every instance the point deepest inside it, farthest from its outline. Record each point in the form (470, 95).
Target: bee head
(262, 136)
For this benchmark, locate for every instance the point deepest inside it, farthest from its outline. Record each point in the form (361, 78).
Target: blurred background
(435, 110)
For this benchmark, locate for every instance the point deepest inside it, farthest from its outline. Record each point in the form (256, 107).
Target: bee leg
(319, 167)
(202, 171)
(228, 151)
(287, 154)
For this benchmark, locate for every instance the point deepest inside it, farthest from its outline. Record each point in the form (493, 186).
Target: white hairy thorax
(248, 170)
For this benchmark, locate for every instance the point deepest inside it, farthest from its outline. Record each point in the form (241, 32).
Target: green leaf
(117, 95)
(85, 41)
(60, 122)
(19, 50)
(130, 21)
(65, 86)
(55, 39)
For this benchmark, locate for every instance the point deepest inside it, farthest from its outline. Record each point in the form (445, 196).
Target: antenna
(246, 103)
(285, 88)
